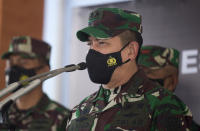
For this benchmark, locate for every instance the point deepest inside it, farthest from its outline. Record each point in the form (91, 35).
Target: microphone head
(82, 66)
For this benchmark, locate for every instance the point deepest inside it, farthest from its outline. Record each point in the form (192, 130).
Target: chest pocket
(40, 124)
(84, 122)
(132, 116)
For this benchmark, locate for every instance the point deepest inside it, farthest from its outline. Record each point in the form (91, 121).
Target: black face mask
(160, 81)
(17, 73)
(101, 66)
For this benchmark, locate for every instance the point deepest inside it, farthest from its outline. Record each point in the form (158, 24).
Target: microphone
(43, 76)
(35, 81)
(80, 66)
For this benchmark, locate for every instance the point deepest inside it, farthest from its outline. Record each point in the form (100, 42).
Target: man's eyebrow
(98, 40)
(101, 40)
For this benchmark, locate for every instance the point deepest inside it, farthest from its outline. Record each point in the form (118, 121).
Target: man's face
(19, 68)
(27, 63)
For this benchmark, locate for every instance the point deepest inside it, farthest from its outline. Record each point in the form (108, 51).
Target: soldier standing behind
(33, 111)
(161, 65)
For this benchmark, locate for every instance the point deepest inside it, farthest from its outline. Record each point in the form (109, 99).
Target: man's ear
(171, 82)
(133, 50)
(175, 80)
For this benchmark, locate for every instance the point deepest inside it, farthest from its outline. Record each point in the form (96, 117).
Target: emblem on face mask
(23, 77)
(111, 61)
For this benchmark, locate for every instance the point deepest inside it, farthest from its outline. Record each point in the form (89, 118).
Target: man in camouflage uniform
(161, 65)
(127, 99)
(33, 111)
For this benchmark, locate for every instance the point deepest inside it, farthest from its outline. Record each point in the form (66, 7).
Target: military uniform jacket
(47, 115)
(139, 105)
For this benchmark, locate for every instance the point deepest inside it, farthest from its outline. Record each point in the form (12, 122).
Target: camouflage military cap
(28, 47)
(155, 57)
(108, 22)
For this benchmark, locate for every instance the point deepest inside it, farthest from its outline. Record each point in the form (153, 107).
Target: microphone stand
(14, 85)
(35, 81)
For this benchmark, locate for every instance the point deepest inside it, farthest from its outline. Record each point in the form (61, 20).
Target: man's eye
(101, 43)
(89, 43)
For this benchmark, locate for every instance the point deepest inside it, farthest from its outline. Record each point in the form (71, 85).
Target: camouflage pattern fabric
(47, 115)
(156, 57)
(29, 47)
(102, 23)
(139, 105)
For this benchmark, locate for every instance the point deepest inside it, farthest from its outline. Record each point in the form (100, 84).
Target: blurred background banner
(171, 23)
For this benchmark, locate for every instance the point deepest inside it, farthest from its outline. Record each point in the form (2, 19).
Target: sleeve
(170, 114)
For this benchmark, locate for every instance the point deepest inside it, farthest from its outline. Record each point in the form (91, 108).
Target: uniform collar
(133, 88)
(16, 115)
